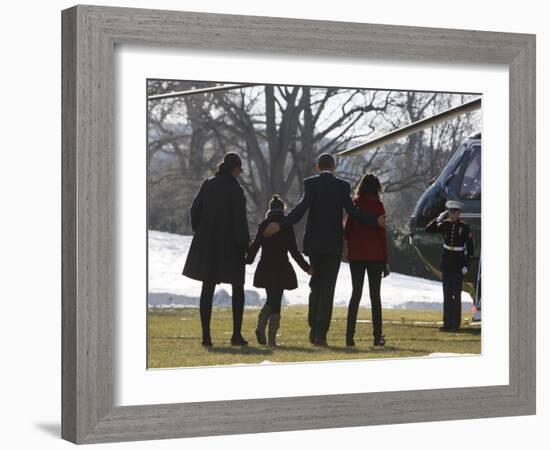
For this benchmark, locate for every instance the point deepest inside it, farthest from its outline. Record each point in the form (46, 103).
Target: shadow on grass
(450, 340)
(296, 348)
(473, 331)
(282, 348)
(350, 350)
(380, 350)
(264, 350)
(246, 350)
(178, 338)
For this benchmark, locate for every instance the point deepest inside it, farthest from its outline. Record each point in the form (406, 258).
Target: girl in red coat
(367, 251)
(274, 271)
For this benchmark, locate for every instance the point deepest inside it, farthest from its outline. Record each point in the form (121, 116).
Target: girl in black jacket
(274, 271)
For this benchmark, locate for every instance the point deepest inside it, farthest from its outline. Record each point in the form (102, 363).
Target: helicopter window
(452, 170)
(470, 188)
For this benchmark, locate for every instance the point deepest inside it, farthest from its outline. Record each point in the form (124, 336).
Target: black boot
(312, 336)
(237, 306)
(206, 339)
(350, 332)
(205, 310)
(205, 325)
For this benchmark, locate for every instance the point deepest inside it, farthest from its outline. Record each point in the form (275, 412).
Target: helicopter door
(470, 187)
(469, 192)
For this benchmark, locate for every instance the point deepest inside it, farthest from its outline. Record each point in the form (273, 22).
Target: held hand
(382, 221)
(271, 229)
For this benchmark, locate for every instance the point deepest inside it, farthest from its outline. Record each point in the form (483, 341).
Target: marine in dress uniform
(458, 247)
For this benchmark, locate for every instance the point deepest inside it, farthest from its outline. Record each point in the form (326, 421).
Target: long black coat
(274, 269)
(221, 238)
(326, 196)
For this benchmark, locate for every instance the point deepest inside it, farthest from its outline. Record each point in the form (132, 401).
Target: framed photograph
(264, 228)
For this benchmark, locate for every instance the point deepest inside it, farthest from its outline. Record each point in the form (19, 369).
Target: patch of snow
(168, 288)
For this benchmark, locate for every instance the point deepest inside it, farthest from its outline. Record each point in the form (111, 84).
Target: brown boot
(274, 323)
(262, 323)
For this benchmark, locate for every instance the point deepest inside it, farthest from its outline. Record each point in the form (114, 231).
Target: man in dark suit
(325, 196)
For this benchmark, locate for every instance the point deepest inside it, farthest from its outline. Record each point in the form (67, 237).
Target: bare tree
(280, 130)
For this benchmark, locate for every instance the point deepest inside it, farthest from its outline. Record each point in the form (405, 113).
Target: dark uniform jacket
(455, 235)
(326, 196)
(220, 240)
(274, 269)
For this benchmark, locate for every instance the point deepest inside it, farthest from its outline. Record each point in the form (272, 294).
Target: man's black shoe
(238, 340)
(320, 342)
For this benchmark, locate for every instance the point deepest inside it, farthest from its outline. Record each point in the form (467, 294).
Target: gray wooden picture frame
(90, 34)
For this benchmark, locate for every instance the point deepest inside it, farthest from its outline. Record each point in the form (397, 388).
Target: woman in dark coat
(274, 271)
(220, 241)
(367, 252)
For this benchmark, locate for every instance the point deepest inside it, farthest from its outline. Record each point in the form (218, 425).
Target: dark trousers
(321, 298)
(374, 271)
(452, 302)
(237, 304)
(274, 299)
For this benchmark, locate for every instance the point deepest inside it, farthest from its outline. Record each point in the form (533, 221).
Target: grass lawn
(174, 337)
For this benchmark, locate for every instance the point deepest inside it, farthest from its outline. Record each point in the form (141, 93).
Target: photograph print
(292, 223)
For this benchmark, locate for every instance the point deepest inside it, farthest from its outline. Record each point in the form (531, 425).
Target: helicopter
(459, 180)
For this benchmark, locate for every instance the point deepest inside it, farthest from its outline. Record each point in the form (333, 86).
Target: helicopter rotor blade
(224, 87)
(414, 127)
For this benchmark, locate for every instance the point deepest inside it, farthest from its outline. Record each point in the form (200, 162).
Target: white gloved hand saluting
(442, 216)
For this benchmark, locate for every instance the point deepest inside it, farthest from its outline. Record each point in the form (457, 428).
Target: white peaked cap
(453, 204)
